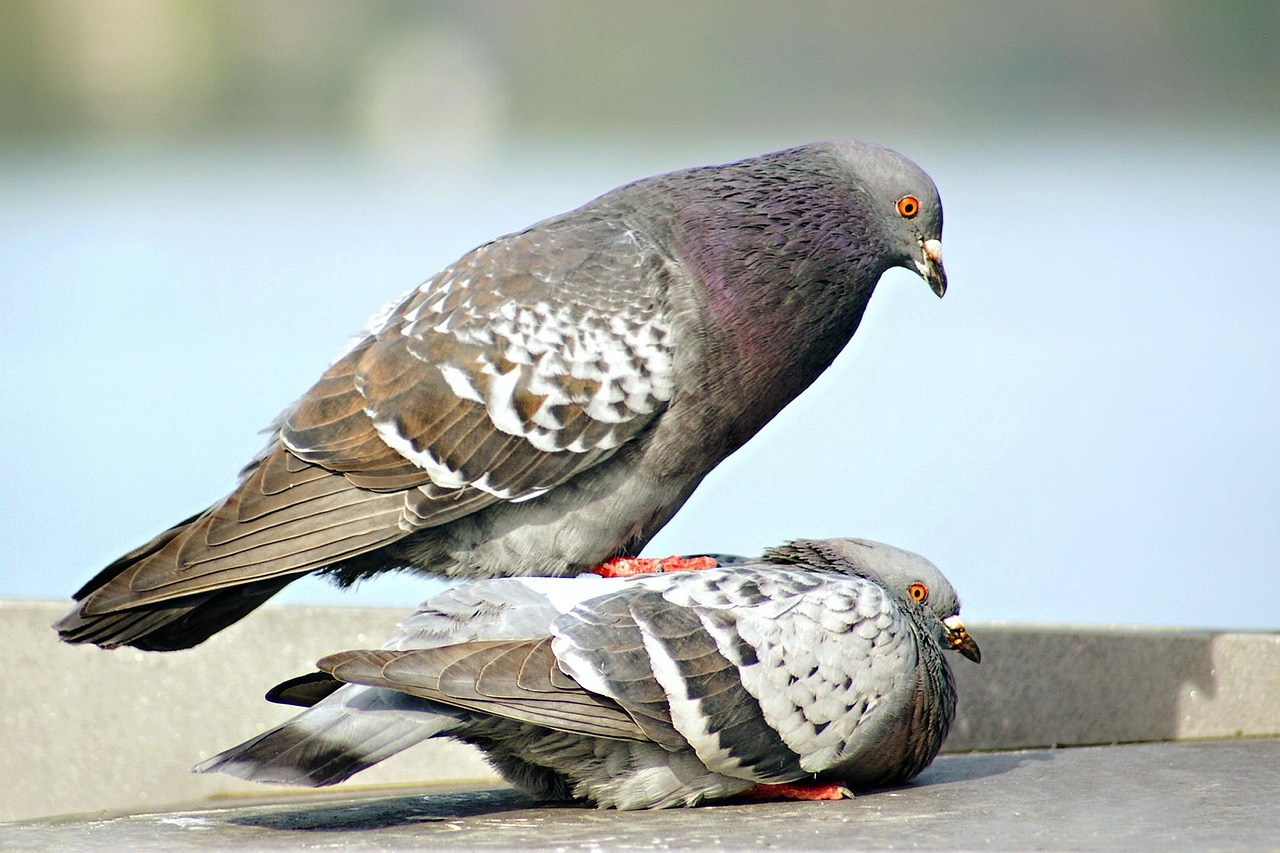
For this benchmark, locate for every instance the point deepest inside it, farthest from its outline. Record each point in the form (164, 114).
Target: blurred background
(201, 201)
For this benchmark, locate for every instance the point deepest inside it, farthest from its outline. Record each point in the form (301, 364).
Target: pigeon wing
(516, 680)
(820, 654)
(657, 658)
(528, 361)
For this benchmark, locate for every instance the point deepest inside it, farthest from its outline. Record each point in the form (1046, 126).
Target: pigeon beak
(930, 266)
(958, 639)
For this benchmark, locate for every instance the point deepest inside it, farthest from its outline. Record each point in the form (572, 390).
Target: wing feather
(484, 677)
(528, 361)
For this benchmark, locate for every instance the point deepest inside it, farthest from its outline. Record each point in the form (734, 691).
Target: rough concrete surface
(1182, 795)
(87, 729)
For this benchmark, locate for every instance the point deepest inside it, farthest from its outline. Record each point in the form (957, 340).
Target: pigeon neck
(783, 319)
(931, 717)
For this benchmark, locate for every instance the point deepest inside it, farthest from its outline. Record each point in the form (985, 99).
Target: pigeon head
(821, 221)
(896, 194)
(917, 583)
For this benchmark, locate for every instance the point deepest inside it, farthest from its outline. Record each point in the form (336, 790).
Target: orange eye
(918, 592)
(908, 206)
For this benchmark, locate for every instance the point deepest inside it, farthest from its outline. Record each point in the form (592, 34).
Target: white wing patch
(564, 594)
(614, 367)
(442, 475)
(573, 356)
(686, 711)
(460, 383)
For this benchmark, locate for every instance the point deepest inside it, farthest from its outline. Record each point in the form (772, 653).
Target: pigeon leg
(626, 567)
(797, 791)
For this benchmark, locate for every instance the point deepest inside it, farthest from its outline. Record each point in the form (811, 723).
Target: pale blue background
(1083, 430)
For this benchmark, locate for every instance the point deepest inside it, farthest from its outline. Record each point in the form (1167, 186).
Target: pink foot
(626, 567)
(797, 791)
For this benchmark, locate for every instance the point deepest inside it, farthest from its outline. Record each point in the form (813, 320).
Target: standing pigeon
(817, 668)
(551, 399)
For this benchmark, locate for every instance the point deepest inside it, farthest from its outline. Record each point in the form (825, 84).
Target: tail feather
(169, 625)
(304, 690)
(349, 731)
(163, 626)
(284, 519)
(138, 554)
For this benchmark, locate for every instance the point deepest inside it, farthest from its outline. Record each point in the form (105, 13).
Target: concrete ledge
(1215, 794)
(88, 730)
(1069, 686)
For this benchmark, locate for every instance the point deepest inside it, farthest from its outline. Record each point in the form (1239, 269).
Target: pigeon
(813, 671)
(551, 399)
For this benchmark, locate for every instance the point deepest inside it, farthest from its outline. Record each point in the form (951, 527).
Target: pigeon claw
(629, 567)
(797, 791)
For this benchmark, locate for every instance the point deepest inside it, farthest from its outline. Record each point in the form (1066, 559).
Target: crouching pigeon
(814, 670)
(551, 399)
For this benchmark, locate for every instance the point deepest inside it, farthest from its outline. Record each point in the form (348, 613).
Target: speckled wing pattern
(767, 673)
(818, 652)
(764, 674)
(529, 360)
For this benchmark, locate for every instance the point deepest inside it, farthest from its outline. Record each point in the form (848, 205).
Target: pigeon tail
(328, 744)
(177, 590)
(170, 625)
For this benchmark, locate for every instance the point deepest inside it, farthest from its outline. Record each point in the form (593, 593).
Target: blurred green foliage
(339, 70)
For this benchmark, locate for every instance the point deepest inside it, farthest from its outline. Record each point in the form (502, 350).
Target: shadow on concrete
(384, 812)
(965, 768)
(379, 813)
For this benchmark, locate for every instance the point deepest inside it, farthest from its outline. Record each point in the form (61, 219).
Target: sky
(1082, 431)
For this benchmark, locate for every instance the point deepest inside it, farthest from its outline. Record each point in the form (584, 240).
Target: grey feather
(820, 662)
(551, 399)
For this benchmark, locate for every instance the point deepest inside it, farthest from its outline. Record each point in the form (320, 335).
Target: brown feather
(453, 674)
(187, 564)
(330, 488)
